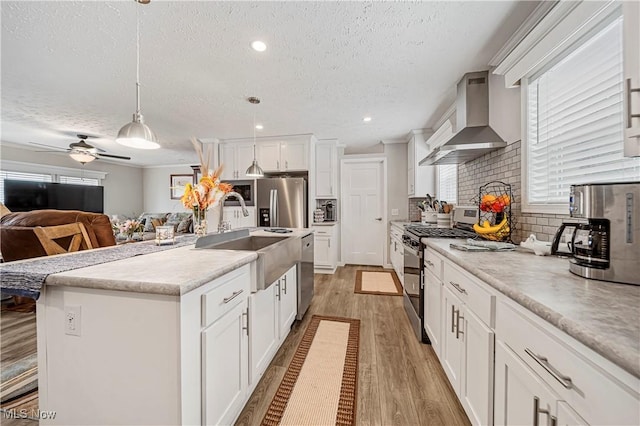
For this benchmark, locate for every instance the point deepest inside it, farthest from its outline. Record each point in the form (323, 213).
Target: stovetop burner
(421, 231)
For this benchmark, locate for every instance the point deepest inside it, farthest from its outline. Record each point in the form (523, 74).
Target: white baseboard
(324, 271)
(387, 266)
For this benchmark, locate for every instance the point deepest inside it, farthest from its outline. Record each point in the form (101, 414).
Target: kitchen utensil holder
(494, 204)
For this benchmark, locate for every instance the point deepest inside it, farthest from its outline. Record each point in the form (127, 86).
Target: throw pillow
(156, 222)
(184, 226)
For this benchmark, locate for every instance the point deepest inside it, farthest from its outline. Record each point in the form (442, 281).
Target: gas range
(422, 231)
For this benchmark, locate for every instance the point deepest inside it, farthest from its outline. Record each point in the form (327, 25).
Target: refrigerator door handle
(273, 207)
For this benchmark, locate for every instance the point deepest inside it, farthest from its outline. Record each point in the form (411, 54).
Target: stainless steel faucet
(245, 212)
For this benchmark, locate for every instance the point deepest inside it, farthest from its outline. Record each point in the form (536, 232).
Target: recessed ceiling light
(259, 127)
(259, 46)
(366, 119)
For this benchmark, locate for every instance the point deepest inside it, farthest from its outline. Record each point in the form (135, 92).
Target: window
(448, 183)
(32, 177)
(79, 180)
(575, 121)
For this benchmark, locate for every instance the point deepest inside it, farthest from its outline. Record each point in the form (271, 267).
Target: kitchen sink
(276, 255)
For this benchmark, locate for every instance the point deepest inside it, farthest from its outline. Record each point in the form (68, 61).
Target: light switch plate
(394, 212)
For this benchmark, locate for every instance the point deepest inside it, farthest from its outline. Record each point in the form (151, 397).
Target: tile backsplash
(504, 165)
(414, 211)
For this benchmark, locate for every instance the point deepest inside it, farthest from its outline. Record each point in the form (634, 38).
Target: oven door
(412, 288)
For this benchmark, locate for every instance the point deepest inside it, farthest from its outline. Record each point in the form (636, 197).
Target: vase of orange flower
(204, 194)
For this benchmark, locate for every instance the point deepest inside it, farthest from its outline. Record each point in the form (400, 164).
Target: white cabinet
(420, 179)
(264, 331)
(326, 169)
(631, 37)
(396, 252)
(225, 366)
(236, 157)
(287, 295)
(467, 344)
(325, 250)
(433, 310)
(282, 156)
(234, 216)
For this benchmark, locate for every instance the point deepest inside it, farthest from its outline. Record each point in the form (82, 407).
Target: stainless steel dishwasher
(305, 276)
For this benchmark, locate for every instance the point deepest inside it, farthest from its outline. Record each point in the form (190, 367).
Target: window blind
(32, 177)
(448, 183)
(575, 121)
(79, 181)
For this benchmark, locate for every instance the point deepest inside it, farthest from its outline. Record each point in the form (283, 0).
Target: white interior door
(363, 213)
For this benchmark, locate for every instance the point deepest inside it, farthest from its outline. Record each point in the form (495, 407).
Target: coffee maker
(606, 240)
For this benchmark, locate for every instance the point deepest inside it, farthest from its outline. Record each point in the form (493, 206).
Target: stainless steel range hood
(474, 137)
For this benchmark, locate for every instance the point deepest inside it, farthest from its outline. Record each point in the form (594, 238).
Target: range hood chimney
(474, 137)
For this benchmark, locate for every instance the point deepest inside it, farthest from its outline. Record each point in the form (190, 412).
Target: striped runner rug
(320, 385)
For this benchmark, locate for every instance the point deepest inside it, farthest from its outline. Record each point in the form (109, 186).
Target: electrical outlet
(394, 212)
(72, 323)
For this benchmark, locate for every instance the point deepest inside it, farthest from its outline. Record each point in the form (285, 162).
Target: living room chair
(48, 234)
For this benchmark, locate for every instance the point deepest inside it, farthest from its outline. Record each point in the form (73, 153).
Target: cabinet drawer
(232, 289)
(471, 292)
(325, 231)
(569, 370)
(433, 262)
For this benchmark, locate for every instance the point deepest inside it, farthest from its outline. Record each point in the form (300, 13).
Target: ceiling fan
(82, 152)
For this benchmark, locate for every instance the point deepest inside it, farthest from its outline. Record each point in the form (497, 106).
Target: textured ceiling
(69, 67)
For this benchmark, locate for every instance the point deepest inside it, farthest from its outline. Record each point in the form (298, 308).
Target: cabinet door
(325, 171)
(451, 349)
(631, 23)
(411, 166)
(567, 416)
(248, 221)
(476, 392)
(268, 154)
(288, 301)
(322, 251)
(294, 155)
(244, 158)
(225, 366)
(263, 331)
(521, 397)
(228, 161)
(433, 310)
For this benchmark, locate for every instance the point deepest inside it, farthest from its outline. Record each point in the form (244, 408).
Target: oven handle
(411, 250)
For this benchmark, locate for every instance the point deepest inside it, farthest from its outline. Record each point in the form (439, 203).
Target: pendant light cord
(254, 136)
(137, 58)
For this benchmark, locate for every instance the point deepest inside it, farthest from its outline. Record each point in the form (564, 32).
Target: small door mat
(378, 282)
(320, 385)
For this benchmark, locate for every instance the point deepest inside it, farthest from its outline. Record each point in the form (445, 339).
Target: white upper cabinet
(326, 169)
(631, 37)
(236, 157)
(284, 155)
(421, 179)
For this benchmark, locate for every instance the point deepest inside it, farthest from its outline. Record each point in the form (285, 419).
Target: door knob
(378, 219)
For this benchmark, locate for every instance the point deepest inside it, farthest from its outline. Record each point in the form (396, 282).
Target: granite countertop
(603, 316)
(402, 223)
(170, 272)
(327, 223)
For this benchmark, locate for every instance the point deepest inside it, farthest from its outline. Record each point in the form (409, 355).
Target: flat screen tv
(23, 196)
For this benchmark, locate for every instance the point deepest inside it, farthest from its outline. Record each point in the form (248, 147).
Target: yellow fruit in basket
(491, 229)
(486, 224)
(504, 199)
(488, 198)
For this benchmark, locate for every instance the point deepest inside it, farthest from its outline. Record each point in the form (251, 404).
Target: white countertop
(335, 222)
(603, 316)
(170, 272)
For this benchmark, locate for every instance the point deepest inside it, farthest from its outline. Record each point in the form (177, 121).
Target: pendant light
(137, 134)
(254, 169)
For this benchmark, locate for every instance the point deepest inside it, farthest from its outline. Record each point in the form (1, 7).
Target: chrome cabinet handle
(278, 164)
(233, 296)
(329, 241)
(278, 287)
(453, 319)
(630, 114)
(458, 287)
(286, 164)
(245, 316)
(428, 262)
(544, 363)
(537, 410)
(458, 332)
(284, 280)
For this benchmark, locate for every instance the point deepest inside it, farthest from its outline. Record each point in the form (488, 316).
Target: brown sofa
(18, 241)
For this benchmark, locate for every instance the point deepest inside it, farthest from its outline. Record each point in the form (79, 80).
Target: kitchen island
(163, 338)
(537, 332)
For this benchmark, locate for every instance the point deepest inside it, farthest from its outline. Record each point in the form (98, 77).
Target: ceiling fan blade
(49, 146)
(120, 157)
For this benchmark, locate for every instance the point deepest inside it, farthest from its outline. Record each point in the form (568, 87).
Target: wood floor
(400, 381)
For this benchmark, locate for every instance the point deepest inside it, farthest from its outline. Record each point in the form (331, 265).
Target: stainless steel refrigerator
(282, 202)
